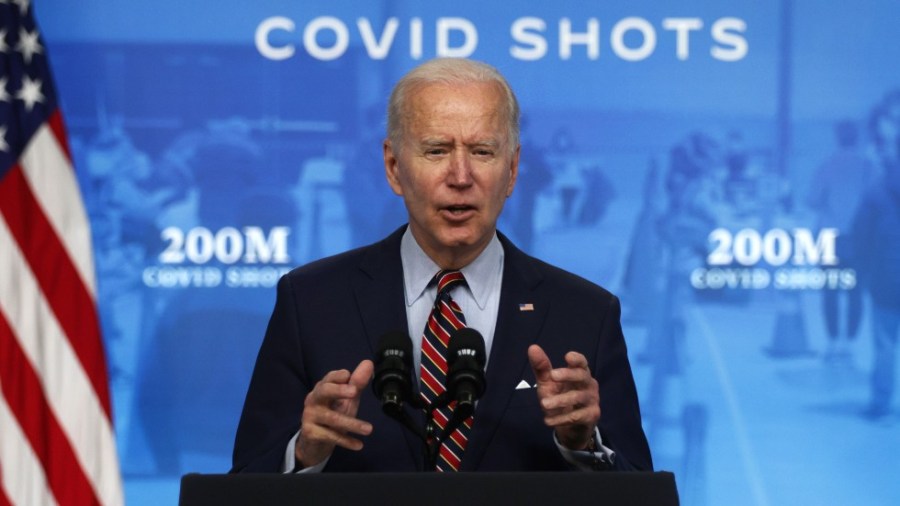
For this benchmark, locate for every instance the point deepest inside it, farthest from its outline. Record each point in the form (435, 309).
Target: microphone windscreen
(393, 342)
(393, 362)
(467, 339)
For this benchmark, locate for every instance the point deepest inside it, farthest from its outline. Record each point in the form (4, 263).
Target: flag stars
(30, 93)
(4, 48)
(4, 146)
(29, 44)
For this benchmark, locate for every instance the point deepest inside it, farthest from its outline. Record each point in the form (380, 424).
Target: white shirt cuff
(601, 458)
(287, 466)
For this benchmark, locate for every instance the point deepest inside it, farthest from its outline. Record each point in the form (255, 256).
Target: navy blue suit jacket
(331, 313)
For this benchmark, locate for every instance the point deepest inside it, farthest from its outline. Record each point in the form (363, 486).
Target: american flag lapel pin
(526, 307)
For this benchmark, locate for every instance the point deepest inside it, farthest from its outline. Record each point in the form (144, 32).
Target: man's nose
(460, 170)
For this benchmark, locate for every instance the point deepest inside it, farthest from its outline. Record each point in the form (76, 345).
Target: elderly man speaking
(559, 389)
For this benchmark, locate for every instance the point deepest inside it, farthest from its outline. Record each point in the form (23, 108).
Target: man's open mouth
(459, 209)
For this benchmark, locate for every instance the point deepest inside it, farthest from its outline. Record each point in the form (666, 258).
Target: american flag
(56, 438)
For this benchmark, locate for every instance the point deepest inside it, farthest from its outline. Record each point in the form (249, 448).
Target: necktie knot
(447, 280)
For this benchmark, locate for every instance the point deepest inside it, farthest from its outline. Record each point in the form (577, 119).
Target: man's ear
(392, 167)
(513, 171)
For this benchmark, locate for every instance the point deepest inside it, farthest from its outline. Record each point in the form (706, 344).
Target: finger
(586, 416)
(572, 399)
(333, 386)
(322, 417)
(359, 380)
(338, 376)
(576, 360)
(318, 437)
(348, 442)
(574, 377)
(362, 374)
(540, 364)
(325, 394)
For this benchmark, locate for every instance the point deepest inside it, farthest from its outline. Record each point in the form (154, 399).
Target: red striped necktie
(446, 316)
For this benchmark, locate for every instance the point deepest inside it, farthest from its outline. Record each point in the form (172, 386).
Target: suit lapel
(517, 328)
(378, 288)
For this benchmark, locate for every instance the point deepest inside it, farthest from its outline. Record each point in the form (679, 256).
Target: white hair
(449, 71)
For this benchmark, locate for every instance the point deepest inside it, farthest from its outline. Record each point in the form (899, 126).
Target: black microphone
(465, 373)
(393, 363)
(392, 383)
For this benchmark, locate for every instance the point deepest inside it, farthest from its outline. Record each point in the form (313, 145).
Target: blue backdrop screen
(729, 169)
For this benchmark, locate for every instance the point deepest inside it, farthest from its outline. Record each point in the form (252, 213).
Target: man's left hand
(569, 397)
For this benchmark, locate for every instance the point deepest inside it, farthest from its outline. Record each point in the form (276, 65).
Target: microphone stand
(393, 408)
(461, 413)
(433, 440)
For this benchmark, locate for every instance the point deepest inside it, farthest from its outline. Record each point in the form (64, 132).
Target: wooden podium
(494, 489)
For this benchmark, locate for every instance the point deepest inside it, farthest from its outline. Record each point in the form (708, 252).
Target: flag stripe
(70, 302)
(22, 390)
(57, 442)
(22, 478)
(69, 393)
(55, 122)
(49, 172)
(4, 500)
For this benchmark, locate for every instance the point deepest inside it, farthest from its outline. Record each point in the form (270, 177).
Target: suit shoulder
(559, 279)
(329, 266)
(371, 260)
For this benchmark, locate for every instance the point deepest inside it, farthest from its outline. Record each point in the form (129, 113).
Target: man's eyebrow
(487, 143)
(435, 142)
(439, 142)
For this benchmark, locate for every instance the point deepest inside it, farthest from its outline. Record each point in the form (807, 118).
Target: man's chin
(464, 238)
(456, 241)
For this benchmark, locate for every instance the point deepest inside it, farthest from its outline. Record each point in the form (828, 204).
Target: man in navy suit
(452, 153)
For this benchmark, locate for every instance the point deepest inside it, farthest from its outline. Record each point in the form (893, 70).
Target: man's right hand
(329, 415)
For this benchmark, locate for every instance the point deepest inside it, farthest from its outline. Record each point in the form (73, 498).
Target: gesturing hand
(569, 397)
(329, 415)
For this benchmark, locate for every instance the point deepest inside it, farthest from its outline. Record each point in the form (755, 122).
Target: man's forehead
(430, 95)
(472, 114)
(433, 131)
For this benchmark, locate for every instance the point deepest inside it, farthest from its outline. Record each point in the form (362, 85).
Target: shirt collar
(418, 270)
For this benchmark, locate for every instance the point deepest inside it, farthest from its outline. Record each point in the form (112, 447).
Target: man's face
(455, 168)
